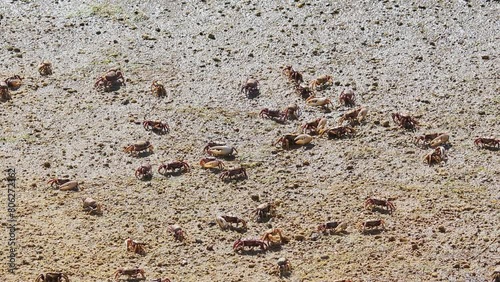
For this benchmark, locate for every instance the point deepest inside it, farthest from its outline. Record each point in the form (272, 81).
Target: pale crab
(320, 82)
(355, 116)
(112, 78)
(158, 89)
(45, 68)
(91, 206)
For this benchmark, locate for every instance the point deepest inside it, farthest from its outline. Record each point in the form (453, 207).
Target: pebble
(441, 229)
(325, 257)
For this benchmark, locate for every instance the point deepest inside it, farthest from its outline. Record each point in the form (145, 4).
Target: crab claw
(313, 101)
(303, 139)
(221, 151)
(68, 186)
(362, 114)
(440, 140)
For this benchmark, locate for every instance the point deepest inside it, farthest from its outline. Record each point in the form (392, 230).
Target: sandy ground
(435, 60)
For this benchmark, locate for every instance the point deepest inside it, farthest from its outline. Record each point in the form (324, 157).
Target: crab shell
(221, 150)
(303, 139)
(89, 202)
(440, 140)
(68, 186)
(362, 114)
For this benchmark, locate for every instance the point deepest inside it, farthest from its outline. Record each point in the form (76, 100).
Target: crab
(91, 206)
(226, 221)
(315, 126)
(4, 91)
(292, 111)
(347, 98)
(496, 275)
(14, 82)
(437, 156)
(482, 142)
(161, 280)
(139, 146)
(293, 75)
(179, 234)
(370, 202)
(405, 121)
(321, 81)
(440, 140)
(220, 150)
(369, 224)
(355, 116)
(45, 68)
(304, 90)
(130, 272)
(293, 139)
(52, 277)
(182, 165)
(144, 171)
(252, 243)
(332, 226)
(284, 266)
(338, 132)
(277, 115)
(250, 87)
(264, 211)
(158, 89)
(57, 181)
(113, 77)
(427, 138)
(234, 173)
(319, 101)
(274, 236)
(156, 126)
(135, 246)
(63, 184)
(211, 163)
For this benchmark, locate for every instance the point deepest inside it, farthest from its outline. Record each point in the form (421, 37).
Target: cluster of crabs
(217, 151)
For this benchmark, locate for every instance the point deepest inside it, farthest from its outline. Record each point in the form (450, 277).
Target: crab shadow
(113, 87)
(372, 231)
(132, 279)
(228, 158)
(234, 179)
(177, 172)
(492, 149)
(240, 230)
(251, 252)
(381, 210)
(143, 154)
(147, 177)
(252, 94)
(216, 170)
(275, 248)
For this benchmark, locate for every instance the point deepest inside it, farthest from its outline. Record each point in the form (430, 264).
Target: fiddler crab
(315, 126)
(432, 139)
(179, 234)
(144, 171)
(91, 206)
(130, 272)
(436, 157)
(347, 98)
(370, 224)
(319, 102)
(45, 68)
(355, 116)
(274, 236)
(487, 142)
(180, 165)
(52, 277)
(370, 202)
(234, 173)
(250, 88)
(293, 139)
(321, 82)
(240, 244)
(338, 132)
(496, 275)
(332, 227)
(135, 246)
(138, 147)
(219, 150)
(227, 221)
(405, 121)
(113, 77)
(14, 82)
(290, 112)
(158, 89)
(265, 211)
(212, 163)
(284, 267)
(304, 91)
(156, 126)
(63, 184)
(4, 91)
(293, 75)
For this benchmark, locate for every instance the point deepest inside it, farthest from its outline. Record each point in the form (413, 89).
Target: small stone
(210, 248)
(306, 163)
(252, 265)
(299, 237)
(441, 229)
(211, 36)
(255, 197)
(392, 239)
(46, 165)
(377, 122)
(481, 113)
(184, 263)
(485, 57)
(350, 167)
(325, 257)
(385, 123)
(314, 236)
(198, 241)
(434, 274)
(125, 102)
(414, 246)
